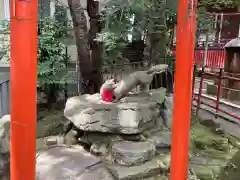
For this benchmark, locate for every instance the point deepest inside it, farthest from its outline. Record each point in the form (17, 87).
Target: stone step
(153, 167)
(69, 163)
(129, 153)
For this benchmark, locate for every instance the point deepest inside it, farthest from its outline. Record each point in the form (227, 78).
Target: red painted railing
(220, 76)
(215, 58)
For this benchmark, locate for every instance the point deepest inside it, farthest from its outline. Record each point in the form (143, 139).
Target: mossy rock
(202, 138)
(204, 172)
(221, 144)
(218, 151)
(209, 123)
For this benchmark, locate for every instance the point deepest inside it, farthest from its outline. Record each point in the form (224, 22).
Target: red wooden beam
(23, 33)
(186, 27)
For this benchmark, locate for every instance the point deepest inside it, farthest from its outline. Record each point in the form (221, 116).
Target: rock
(54, 140)
(133, 153)
(210, 123)
(5, 125)
(166, 160)
(221, 144)
(4, 166)
(214, 126)
(160, 122)
(148, 169)
(158, 177)
(167, 111)
(161, 139)
(98, 171)
(5, 134)
(99, 138)
(168, 103)
(203, 172)
(200, 144)
(99, 149)
(133, 116)
(4, 145)
(135, 137)
(71, 138)
(192, 175)
(167, 116)
(51, 141)
(69, 163)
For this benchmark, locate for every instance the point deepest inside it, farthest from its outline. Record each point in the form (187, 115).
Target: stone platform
(131, 115)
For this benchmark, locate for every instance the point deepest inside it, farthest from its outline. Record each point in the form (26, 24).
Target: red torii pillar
(186, 27)
(23, 35)
(23, 88)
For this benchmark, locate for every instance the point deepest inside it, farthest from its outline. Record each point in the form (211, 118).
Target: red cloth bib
(107, 95)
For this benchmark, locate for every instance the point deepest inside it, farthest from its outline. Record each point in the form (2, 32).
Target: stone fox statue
(127, 84)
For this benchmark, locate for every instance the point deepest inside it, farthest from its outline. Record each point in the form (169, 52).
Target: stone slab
(148, 169)
(133, 153)
(161, 139)
(62, 162)
(131, 115)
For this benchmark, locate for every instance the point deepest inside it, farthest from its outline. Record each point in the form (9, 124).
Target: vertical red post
(219, 92)
(194, 79)
(186, 27)
(200, 91)
(23, 35)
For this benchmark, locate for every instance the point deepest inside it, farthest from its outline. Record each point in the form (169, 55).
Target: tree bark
(81, 38)
(159, 33)
(147, 53)
(96, 47)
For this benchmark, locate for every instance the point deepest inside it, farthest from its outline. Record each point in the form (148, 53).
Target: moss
(221, 154)
(204, 172)
(202, 138)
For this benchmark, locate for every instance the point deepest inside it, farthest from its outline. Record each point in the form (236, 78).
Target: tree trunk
(159, 34)
(81, 38)
(147, 53)
(96, 47)
(136, 34)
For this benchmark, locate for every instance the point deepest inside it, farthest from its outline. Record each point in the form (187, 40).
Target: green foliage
(217, 3)
(117, 17)
(205, 19)
(113, 47)
(123, 18)
(5, 40)
(51, 54)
